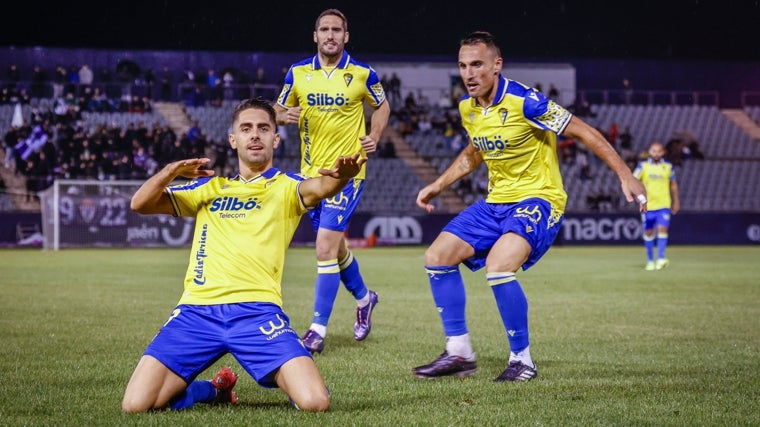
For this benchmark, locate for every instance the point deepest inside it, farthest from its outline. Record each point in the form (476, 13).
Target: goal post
(83, 213)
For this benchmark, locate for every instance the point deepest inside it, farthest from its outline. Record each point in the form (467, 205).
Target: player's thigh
(152, 385)
(300, 379)
(508, 254)
(448, 249)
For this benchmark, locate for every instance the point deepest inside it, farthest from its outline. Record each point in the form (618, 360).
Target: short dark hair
(258, 104)
(334, 12)
(481, 37)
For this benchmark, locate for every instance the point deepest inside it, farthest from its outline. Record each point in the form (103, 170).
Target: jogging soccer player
(659, 178)
(232, 298)
(513, 129)
(325, 95)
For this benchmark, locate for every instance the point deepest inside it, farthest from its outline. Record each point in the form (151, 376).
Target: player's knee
(133, 404)
(434, 256)
(315, 403)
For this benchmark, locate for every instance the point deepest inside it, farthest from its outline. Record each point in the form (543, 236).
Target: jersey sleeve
(544, 113)
(185, 198)
(285, 99)
(375, 91)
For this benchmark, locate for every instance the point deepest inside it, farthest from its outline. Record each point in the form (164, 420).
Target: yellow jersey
(242, 230)
(517, 137)
(332, 102)
(656, 177)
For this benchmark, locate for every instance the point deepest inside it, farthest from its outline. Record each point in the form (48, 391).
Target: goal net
(80, 213)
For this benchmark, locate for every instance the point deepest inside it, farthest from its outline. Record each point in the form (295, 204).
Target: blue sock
(325, 290)
(196, 391)
(450, 298)
(351, 277)
(649, 245)
(513, 308)
(662, 243)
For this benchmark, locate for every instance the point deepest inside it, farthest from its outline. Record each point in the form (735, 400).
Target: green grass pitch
(614, 345)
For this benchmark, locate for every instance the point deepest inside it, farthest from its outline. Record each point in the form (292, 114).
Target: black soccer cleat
(446, 365)
(518, 372)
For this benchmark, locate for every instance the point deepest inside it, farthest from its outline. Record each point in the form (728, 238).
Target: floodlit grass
(614, 345)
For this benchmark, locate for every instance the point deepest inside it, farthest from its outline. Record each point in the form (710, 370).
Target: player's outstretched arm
(632, 188)
(467, 161)
(313, 190)
(150, 198)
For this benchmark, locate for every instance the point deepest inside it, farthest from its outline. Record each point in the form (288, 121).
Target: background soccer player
(325, 96)
(232, 298)
(513, 129)
(659, 177)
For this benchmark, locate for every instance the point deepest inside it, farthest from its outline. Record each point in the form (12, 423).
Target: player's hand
(634, 189)
(346, 167)
(191, 168)
(427, 194)
(292, 115)
(369, 144)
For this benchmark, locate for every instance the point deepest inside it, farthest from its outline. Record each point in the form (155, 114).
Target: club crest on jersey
(503, 114)
(348, 78)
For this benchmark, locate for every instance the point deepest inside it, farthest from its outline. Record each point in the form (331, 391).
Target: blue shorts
(258, 335)
(482, 224)
(335, 213)
(652, 219)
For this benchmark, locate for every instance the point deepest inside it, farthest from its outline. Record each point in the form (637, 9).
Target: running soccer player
(325, 95)
(513, 129)
(232, 298)
(659, 178)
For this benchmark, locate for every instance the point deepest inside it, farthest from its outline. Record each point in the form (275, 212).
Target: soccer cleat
(517, 371)
(662, 263)
(446, 365)
(313, 342)
(650, 266)
(364, 317)
(223, 382)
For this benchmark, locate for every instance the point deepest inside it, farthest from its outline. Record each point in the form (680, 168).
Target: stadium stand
(729, 140)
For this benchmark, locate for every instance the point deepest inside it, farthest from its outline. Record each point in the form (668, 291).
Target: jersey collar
(267, 174)
(343, 63)
(501, 90)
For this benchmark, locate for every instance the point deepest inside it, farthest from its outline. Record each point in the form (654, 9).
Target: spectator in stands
(196, 98)
(627, 91)
(553, 92)
(228, 80)
(150, 81)
(567, 148)
(85, 75)
(387, 149)
(674, 151)
(626, 147)
(214, 87)
(659, 177)
(13, 75)
(39, 82)
(520, 217)
(424, 125)
(613, 134)
(12, 137)
(689, 145)
(59, 81)
(333, 132)
(241, 295)
(582, 108)
(167, 79)
(261, 76)
(394, 90)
